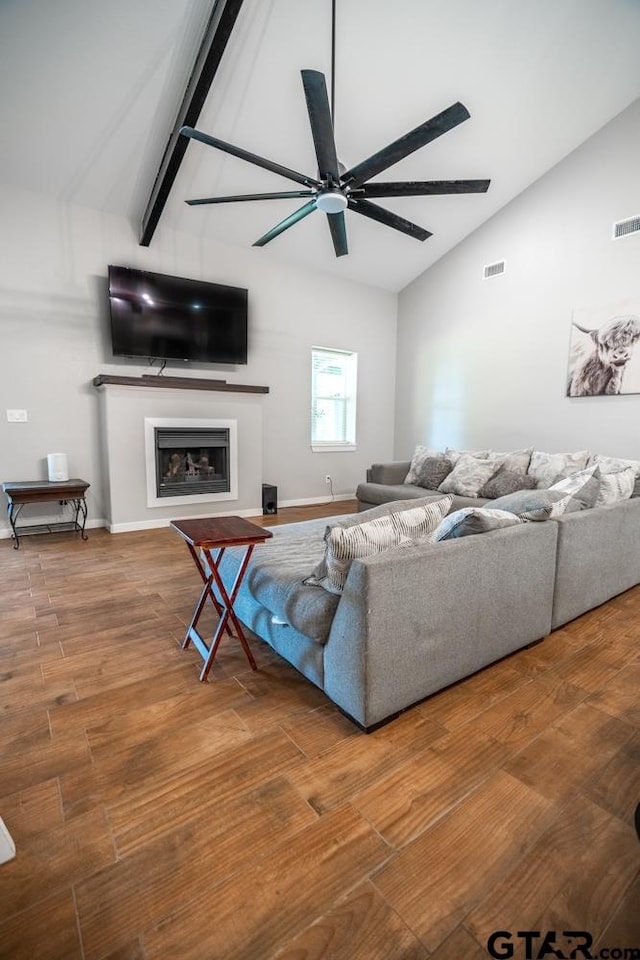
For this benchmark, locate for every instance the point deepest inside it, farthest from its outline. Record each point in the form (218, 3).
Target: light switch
(17, 416)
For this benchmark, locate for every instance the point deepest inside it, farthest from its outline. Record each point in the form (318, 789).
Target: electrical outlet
(327, 479)
(17, 416)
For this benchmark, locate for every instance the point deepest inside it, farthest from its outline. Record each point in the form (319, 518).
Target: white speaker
(58, 466)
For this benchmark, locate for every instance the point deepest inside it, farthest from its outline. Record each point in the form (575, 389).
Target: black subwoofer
(269, 499)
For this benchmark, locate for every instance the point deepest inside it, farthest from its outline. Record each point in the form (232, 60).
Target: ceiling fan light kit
(335, 189)
(332, 200)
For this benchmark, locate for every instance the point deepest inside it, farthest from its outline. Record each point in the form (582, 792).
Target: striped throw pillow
(343, 545)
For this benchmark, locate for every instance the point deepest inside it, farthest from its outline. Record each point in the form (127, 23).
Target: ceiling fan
(336, 189)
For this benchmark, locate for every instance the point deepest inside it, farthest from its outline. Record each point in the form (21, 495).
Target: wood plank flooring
(159, 818)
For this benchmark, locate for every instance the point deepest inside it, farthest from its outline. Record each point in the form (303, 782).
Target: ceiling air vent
(494, 270)
(624, 228)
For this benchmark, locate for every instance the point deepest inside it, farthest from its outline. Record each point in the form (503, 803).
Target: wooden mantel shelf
(178, 383)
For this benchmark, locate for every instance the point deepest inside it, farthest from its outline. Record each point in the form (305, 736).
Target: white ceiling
(90, 91)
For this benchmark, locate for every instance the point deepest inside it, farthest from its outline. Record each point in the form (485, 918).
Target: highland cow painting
(603, 359)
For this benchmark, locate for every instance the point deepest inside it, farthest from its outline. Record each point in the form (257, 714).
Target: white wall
(484, 362)
(54, 340)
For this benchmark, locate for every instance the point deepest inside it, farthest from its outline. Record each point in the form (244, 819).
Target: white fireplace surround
(150, 425)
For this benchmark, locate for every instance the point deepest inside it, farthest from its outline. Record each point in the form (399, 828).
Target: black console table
(21, 493)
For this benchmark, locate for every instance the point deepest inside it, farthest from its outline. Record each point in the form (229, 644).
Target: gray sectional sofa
(385, 482)
(414, 619)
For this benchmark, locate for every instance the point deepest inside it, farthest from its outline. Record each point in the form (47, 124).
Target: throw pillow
(534, 504)
(613, 464)
(506, 481)
(471, 520)
(469, 475)
(357, 519)
(420, 454)
(343, 544)
(454, 455)
(616, 486)
(432, 471)
(545, 467)
(584, 487)
(516, 461)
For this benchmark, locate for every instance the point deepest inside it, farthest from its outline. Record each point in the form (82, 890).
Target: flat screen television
(172, 318)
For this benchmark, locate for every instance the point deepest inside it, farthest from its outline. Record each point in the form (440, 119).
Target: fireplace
(190, 460)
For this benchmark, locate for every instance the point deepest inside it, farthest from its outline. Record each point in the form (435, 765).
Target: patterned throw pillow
(471, 520)
(516, 461)
(454, 455)
(534, 504)
(420, 454)
(343, 544)
(469, 475)
(506, 481)
(616, 486)
(613, 464)
(546, 467)
(584, 487)
(432, 471)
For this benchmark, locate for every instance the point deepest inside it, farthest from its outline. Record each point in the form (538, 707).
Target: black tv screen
(172, 318)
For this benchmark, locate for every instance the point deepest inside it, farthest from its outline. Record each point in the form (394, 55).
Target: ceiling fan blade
(286, 223)
(338, 229)
(374, 212)
(425, 133)
(315, 91)
(249, 157)
(425, 188)
(288, 195)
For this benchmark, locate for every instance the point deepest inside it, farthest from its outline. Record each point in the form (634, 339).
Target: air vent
(494, 270)
(624, 228)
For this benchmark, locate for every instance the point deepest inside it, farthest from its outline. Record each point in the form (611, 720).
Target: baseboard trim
(156, 524)
(131, 527)
(250, 512)
(6, 532)
(308, 502)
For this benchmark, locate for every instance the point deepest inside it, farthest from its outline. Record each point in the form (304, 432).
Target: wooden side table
(203, 536)
(21, 493)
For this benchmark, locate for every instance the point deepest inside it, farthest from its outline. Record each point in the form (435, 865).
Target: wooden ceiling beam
(221, 23)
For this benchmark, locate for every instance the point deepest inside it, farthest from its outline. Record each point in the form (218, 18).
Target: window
(333, 399)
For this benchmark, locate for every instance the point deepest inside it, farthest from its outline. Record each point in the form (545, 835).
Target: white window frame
(350, 359)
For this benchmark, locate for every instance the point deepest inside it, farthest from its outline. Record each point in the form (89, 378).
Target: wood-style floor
(160, 818)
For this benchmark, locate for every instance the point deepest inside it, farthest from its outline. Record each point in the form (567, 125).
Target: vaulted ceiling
(90, 93)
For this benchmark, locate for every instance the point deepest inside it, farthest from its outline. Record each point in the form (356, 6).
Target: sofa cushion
(546, 467)
(472, 520)
(420, 454)
(378, 493)
(469, 475)
(276, 574)
(345, 543)
(534, 504)
(584, 487)
(506, 481)
(616, 486)
(432, 471)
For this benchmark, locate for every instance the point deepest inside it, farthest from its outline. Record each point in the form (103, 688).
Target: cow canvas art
(603, 360)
